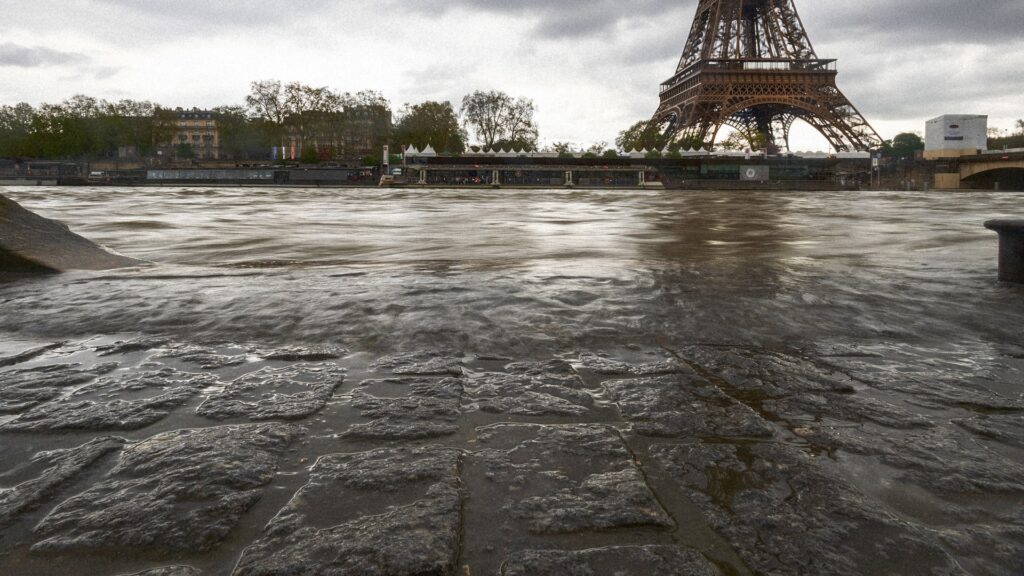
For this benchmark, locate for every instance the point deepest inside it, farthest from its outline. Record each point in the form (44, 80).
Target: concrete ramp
(31, 243)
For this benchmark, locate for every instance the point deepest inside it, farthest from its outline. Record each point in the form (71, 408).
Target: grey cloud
(915, 22)
(192, 17)
(564, 19)
(104, 72)
(33, 57)
(888, 24)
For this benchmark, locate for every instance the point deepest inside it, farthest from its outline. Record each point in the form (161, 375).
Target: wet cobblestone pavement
(128, 456)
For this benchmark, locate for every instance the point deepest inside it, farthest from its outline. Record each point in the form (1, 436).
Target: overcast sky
(592, 66)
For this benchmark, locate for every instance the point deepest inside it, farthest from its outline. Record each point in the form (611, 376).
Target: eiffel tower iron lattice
(749, 64)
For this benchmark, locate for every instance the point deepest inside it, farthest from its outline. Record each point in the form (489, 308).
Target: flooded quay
(543, 382)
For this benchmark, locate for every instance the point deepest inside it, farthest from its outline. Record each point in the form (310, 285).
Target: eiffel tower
(749, 64)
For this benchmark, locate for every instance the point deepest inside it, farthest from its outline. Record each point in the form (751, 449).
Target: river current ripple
(519, 271)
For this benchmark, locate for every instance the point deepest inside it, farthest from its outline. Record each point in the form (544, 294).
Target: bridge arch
(994, 177)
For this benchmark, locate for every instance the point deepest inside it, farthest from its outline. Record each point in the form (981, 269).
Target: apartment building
(198, 134)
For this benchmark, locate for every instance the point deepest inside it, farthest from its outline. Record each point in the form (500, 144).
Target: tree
(183, 151)
(737, 140)
(367, 121)
(610, 154)
(906, 145)
(734, 141)
(241, 138)
(16, 126)
(320, 117)
(688, 143)
(309, 154)
(1020, 126)
(266, 102)
(499, 120)
(643, 135)
(562, 147)
(433, 123)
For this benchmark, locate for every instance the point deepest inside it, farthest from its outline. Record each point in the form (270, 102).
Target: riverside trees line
(324, 124)
(320, 119)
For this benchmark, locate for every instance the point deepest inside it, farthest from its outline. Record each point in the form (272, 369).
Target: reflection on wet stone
(784, 513)
(846, 407)
(288, 393)
(23, 389)
(611, 561)
(151, 396)
(1005, 428)
(444, 363)
(683, 405)
(387, 512)
(168, 571)
(182, 491)
(526, 394)
(427, 409)
(608, 366)
(202, 356)
(57, 467)
(125, 347)
(569, 478)
(303, 353)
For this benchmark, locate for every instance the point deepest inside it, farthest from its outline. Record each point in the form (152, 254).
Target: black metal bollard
(1011, 249)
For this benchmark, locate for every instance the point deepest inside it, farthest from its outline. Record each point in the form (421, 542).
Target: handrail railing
(752, 64)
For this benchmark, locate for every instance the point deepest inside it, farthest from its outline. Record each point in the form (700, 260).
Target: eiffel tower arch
(749, 64)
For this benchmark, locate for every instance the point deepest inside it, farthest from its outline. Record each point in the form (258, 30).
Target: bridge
(993, 170)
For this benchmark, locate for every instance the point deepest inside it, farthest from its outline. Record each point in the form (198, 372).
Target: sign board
(874, 162)
(754, 173)
(387, 155)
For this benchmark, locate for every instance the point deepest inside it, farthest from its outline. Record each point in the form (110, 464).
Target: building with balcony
(198, 134)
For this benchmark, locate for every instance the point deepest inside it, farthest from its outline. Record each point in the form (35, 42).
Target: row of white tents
(429, 152)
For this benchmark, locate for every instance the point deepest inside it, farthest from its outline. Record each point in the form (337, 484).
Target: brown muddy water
(313, 381)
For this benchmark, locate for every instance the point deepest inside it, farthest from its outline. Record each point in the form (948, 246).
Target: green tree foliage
(610, 154)
(643, 135)
(82, 127)
(240, 137)
(904, 145)
(319, 116)
(737, 140)
(184, 151)
(309, 155)
(688, 143)
(17, 125)
(734, 141)
(1020, 126)
(500, 121)
(433, 123)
